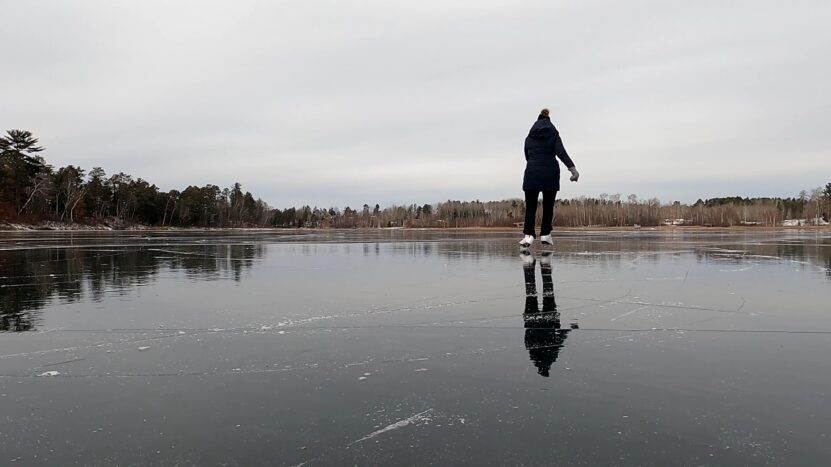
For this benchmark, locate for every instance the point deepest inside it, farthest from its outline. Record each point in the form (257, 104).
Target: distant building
(801, 222)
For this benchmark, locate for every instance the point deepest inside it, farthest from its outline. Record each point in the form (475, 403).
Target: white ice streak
(628, 313)
(50, 373)
(421, 416)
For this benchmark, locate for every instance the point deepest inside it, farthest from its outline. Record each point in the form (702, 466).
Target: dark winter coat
(542, 148)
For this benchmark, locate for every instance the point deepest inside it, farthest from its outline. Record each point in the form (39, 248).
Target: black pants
(531, 197)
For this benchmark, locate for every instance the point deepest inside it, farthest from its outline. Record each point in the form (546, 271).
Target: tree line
(604, 211)
(31, 190)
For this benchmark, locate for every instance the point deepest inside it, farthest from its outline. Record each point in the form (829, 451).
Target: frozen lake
(403, 347)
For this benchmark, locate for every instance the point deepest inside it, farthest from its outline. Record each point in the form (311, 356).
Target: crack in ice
(421, 416)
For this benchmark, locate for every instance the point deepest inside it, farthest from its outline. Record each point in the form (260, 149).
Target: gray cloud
(341, 102)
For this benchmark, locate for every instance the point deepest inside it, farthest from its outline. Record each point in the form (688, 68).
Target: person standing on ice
(542, 174)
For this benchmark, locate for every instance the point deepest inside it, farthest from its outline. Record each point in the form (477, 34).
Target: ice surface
(403, 347)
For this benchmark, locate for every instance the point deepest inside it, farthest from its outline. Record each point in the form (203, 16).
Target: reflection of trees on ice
(543, 336)
(32, 277)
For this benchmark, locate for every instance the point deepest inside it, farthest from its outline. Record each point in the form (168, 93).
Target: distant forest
(32, 191)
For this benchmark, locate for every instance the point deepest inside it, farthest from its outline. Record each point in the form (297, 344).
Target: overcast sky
(336, 103)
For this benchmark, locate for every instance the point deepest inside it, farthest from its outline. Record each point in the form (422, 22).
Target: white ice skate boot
(526, 241)
(546, 240)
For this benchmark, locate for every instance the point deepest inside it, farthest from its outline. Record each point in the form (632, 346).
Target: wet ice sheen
(410, 347)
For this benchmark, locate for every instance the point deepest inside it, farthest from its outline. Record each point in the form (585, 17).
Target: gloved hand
(574, 174)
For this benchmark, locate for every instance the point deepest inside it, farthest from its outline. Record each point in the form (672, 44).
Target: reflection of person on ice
(544, 337)
(542, 174)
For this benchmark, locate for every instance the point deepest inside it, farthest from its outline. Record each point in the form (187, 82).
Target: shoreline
(6, 226)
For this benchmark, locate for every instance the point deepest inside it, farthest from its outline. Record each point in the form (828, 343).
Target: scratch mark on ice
(628, 313)
(394, 426)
